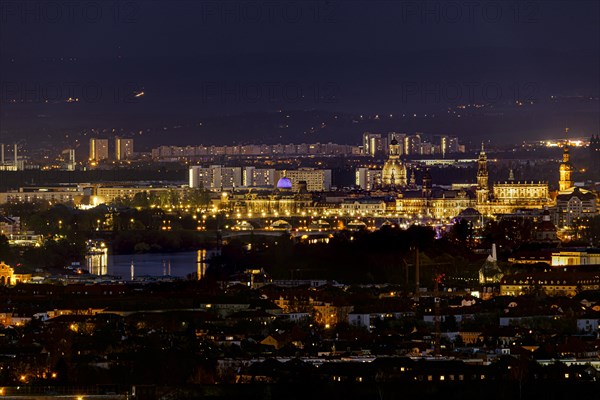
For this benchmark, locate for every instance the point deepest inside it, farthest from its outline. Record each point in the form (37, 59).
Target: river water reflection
(129, 266)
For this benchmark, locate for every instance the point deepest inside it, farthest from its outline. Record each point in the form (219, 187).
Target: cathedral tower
(482, 177)
(565, 171)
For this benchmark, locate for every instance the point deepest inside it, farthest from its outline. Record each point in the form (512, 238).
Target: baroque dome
(393, 173)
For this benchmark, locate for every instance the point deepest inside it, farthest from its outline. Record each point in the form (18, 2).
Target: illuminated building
(565, 170)
(123, 149)
(96, 258)
(520, 194)
(9, 225)
(53, 194)
(107, 194)
(329, 314)
(255, 190)
(412, 202)
(433, 203)
(412, 144)
(372, 144)
(490, 273)
(261, 177)
(576, 257)
(482, 178)
(326, 313)
(364, 206)
(15, 164)
(317, 180)
(367, 179)
(438, 203)
(574, 204)
(551, 283)
(510, 195)
(531, 257)
(448, 145)
(399, 137)
(281, 202)
(98, 150)
(215, 177)
(263, 150)
(26, 240)
(375, 144)
(393, 174)
(8, 276)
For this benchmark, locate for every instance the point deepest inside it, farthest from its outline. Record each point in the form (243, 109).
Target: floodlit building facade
(550, 283)
(438, 203)
(215, 177)
(123, 149)
(368, 179)
(317, 180)
(258, 177)
(98, 150)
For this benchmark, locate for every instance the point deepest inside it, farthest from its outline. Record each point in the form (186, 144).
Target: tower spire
(565, 169)
(482, 177)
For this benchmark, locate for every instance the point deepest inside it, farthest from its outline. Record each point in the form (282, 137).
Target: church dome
(393, 173)
(284, 183)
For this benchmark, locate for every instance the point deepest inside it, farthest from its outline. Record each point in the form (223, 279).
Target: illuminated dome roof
(284, 183)
(393, 173)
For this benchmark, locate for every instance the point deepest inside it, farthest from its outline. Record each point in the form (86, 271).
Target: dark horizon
(139, 66)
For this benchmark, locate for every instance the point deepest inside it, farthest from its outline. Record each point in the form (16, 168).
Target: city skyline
(304, 199)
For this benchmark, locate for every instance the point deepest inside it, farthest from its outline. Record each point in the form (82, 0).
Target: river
(129, 266)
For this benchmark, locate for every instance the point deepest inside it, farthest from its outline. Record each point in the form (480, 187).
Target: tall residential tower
(98, 150)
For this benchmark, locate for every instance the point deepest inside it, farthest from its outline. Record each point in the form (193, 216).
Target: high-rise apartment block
(317, 180)
(258, 177)
(215, 177)
(98, 150)
(123, 149)
(373, 144)
(368, 179)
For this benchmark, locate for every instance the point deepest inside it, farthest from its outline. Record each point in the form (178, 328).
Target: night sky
(195, 59)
